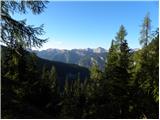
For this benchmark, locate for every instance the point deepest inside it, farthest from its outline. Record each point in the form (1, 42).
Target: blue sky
(89, 24)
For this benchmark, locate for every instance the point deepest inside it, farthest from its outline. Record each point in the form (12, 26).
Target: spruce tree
(96, 74)
(112, 59)
(120, 37)
(118, 74)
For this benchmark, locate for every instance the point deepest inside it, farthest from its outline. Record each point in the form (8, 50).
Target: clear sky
(89, 24)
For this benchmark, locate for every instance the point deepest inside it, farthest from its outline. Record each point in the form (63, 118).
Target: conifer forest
(32, 87)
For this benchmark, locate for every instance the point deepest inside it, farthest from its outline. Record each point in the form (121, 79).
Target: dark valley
(118, 83)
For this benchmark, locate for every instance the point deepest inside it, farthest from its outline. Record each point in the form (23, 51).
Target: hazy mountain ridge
(83, 57)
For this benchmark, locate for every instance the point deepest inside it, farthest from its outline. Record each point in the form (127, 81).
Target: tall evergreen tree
(17, 36)
(144, 56)
(120, 37)
(118, 74)
(145, 31)
(146, 74)
(112, 58)
(96, 74)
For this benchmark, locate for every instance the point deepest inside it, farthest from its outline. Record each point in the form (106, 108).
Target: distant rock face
(99, 50)
(83, 57)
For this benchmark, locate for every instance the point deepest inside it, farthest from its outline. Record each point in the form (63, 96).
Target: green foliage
(96, 74)
(145, 31)
(121, 35)
(15, 33)
(36, 88)
(112, 57)
(149, 68)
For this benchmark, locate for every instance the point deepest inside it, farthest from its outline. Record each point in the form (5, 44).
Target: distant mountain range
(83, 57)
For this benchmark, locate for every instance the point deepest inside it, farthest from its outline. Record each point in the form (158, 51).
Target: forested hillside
(31, 87)
(70, 71)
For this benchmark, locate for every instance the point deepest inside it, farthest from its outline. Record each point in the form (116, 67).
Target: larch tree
(16, 34)
(147, 72)
(145, 31)
(145, 53)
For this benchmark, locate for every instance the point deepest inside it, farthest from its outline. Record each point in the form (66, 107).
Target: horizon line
(39, 49)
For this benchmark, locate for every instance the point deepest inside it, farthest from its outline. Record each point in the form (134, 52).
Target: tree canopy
(14, 32)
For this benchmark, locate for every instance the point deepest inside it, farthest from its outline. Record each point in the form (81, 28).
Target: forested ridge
(31, 88)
